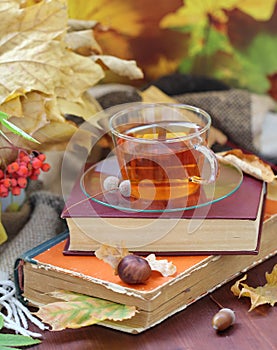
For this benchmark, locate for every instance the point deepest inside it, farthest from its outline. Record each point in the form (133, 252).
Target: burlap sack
(44, 223)
(14, 221)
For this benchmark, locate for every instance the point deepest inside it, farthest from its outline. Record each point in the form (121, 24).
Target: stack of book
(46, 269)
(244, 219)
(235, 234)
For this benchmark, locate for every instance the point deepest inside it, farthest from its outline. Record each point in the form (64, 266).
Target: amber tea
(161, 149)
(164, 169)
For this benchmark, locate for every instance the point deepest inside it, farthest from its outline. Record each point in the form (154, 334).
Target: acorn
(133, 269)
(223, 319)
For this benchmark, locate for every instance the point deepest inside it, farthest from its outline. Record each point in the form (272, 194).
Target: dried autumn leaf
(111, 255)
(165, 267)
(80, 310)
(248, 163)
(55, 134)
(37, 65)
(36, 24)
(83, 42)
(121, 67)
(41, 116)
(78, 24)
(38, 71)
(30, 49)
(266, 294)
(86, 107)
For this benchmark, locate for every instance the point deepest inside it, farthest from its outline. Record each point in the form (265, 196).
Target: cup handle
(209, 154)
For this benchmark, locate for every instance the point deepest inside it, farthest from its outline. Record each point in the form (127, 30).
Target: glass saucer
(228, 181)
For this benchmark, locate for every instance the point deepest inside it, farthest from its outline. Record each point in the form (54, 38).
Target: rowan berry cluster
(27, 165)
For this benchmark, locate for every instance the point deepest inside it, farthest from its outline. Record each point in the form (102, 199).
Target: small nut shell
(111, 183)
(223, 319)
(125, 188)
(133, 269)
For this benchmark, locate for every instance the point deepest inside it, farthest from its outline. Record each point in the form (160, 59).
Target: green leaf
(186, 65)
(217, 41)
(16, 340)
(1, 317)
(202, 52)
(257, 62)
(13, 128)
(79, 310)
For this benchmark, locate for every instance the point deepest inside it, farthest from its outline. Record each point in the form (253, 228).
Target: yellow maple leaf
(163, 66)
(109, 13)
(266, 294)
(197, 12)
(259, 10)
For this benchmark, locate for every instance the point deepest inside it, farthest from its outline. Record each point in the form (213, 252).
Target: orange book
(45, 269)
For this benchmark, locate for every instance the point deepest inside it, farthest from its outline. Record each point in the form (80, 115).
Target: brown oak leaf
(260, 295)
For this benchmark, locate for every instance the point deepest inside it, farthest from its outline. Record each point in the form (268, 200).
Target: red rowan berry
(45, 167)
(42, 157)
(16, 190)
(12, 167)
(6, 182)
(22, 182)
(33, 177)
(13, 182)
(22, 171)
(21, 154)
(25, 159)
(3, 191)
(36, 163)
(36, 172)
(4, 194)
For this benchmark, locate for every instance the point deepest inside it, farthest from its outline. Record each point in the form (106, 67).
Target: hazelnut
(133, 269)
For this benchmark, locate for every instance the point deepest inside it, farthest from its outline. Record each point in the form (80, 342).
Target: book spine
(28, 256)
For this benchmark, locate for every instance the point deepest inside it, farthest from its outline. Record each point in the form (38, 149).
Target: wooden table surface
(189, 329)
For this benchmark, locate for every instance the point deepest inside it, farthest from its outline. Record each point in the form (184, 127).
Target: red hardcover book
(227, 226)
